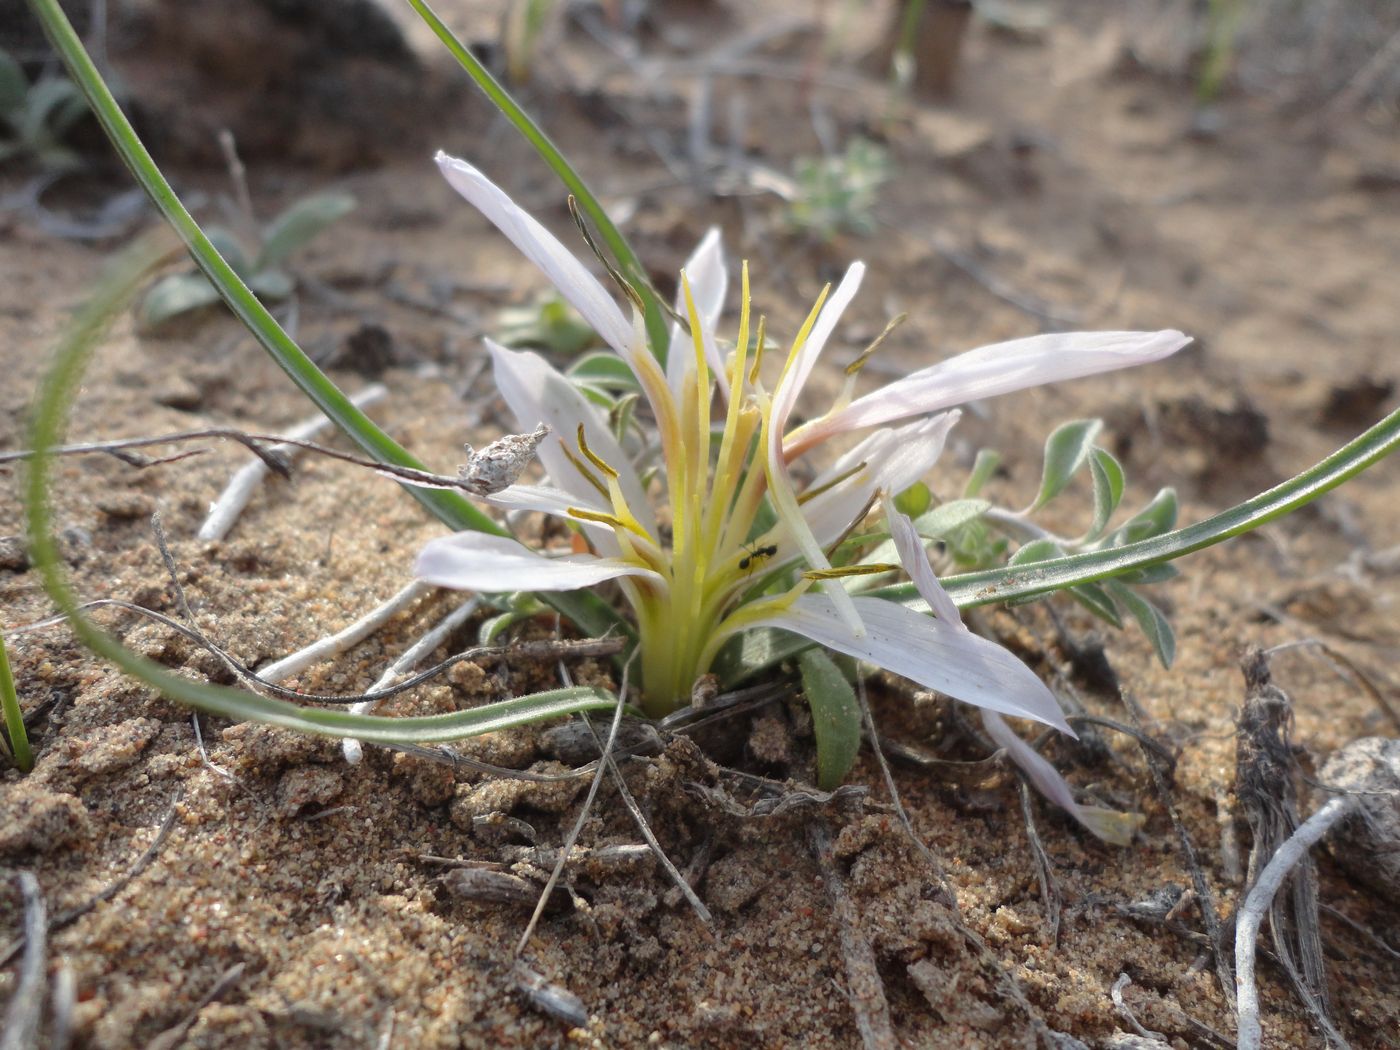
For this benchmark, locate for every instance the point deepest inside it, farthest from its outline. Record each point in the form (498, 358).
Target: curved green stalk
(657, 331)
(14, 716)
(55, 394)
(451, 508)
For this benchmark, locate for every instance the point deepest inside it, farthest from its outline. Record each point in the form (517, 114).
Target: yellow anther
(592, 456)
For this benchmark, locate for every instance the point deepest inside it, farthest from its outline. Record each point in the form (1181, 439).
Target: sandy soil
(1071, 177)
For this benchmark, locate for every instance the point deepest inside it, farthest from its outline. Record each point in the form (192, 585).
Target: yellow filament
(842, 571)
(813, 493)
(593, 457)
(583, 470)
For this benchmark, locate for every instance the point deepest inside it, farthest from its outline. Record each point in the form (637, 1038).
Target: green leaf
(947, 517)
(546, 324)
(604, 370)
(173, 295)
(1036, 550)
(1153, 520)
(1094, 598)
(914, 500)
(1066, 450)
(1107, 473)
(231, 248)
(1151, 619)
(50, 108)
(983, 467)
(272, 284)
(299, 224)
(835, 717)
(14, 85)
(1151, 574)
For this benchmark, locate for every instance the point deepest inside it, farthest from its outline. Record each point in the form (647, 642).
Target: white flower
(686, 550)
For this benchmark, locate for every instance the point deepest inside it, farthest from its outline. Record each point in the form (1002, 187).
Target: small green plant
(17, 736)
(262, 270)
(36, 117)
(837, 194)
(547, 323)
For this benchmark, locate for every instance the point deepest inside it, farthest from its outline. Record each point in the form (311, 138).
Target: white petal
(575, 283)
(895, 458)
(1111, 825)
(898, 458)
(937, 655)
(1000, 369)
(795, 375)
(708, 283)
(546, 499)
(536, 392)
(914, 558)
(475, 561)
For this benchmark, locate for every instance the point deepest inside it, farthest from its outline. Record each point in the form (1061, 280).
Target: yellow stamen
(583, 470)
(859, 363)
(592, 456)
(610, 520)
(758, 350)
(811, 494)
(842, 571)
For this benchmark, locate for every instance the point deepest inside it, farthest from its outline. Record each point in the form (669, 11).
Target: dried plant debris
(1266, 775)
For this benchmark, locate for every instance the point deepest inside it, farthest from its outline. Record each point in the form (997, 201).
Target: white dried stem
(1256, 906)
(343, 639)
(245, 481)
(352, 749)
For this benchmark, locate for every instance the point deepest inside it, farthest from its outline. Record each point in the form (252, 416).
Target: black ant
(753, 557)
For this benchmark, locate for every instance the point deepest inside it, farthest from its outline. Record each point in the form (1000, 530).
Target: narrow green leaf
(1153, 520)
(13, 714)
(983, 467)
(835, 717)
(50, 108)
(14, 85)
(1066, 450)
(1107, 474)
(173, 295)
(299, 224)
(1094, 598)
(1151, 619)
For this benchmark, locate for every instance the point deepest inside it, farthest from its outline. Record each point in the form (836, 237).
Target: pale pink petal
(476, 561)
(794, 376)
(935, 654)
(1111, 825)
(990, 370)
(536, 392)
(575, 283)
(914, 558)
(708, 282)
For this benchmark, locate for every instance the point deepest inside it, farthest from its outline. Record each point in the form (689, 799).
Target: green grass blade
(54, 396)
(14, 717)
(586, 610)
(658, 333)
